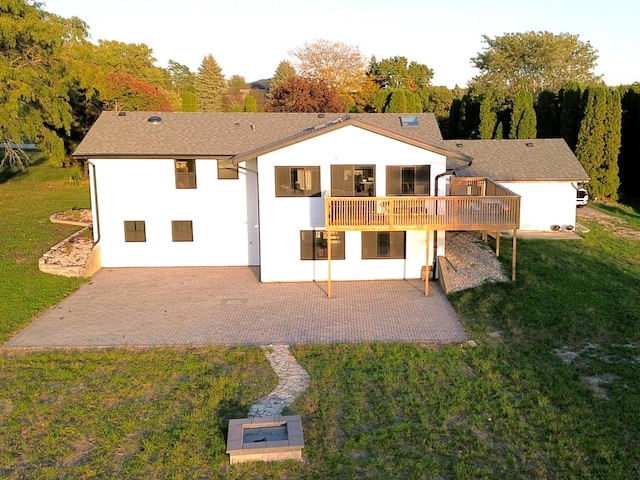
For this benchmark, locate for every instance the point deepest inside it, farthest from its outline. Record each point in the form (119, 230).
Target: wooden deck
(473, 204)
(500, 211)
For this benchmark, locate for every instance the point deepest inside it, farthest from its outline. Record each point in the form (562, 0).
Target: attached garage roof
(544, 159)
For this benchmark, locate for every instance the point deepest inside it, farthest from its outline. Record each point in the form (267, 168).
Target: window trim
(283, 177)
(189, 175)
(232, 171)
(178, 235)
(391, 191)
(397, 245)
(310, 250)
(136, 234)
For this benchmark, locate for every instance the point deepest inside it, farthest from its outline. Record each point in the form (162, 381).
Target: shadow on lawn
(227, 410)
(9, 173)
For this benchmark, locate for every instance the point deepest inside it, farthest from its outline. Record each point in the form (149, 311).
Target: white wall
(224, 227)
(282, 219)
(543, 204)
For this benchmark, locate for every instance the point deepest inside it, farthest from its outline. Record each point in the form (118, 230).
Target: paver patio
(229, 306)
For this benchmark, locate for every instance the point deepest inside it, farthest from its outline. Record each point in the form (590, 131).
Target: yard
(551, 390)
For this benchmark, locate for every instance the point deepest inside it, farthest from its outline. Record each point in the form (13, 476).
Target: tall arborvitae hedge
(570, 113)
(488, 118)
(599, 141)
(523, 117)
(548, 115)
(629, 160)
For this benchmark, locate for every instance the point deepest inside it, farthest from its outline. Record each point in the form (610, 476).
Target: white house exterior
(207, 189)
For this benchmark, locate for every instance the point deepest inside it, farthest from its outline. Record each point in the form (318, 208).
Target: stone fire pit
(265, 439)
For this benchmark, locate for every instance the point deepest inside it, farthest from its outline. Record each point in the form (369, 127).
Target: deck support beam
(329, 242)
(513, 256)
(426, 266)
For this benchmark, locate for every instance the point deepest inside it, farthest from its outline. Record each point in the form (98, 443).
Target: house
(304, 196)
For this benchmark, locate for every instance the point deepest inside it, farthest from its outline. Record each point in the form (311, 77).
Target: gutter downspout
(452, 171)
(95, 202)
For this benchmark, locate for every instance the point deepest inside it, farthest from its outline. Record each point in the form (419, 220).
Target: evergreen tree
(210, 85)
(596, 130)
(488, 118)
(570, 113)
(283, 72)
(548, 115)
(189, 101)
(629, 160)
(398, 102)
(250, 104)
(523, 116)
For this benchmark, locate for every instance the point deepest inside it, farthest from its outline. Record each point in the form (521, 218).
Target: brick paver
(229, 306)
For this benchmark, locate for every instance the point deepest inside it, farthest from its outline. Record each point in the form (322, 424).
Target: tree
(570, 113)
(35, 82)
(128, 93)
(340, 65)
(523, 116)
(599, 141)
(488, 118)
(283, 72)
(397, 72)
(250, 104)
(300, 94)
(437, 100)
(548, 115)
(630, 149)
(210, 85)
(133, 58)
(534, 61)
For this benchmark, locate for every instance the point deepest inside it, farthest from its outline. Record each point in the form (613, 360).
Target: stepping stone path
(293, 381)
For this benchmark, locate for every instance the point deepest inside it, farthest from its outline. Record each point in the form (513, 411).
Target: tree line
(530, 85)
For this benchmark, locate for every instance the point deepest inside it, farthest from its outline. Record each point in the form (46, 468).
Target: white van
(582, 197)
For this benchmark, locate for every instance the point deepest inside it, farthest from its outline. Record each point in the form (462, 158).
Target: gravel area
(470, 262)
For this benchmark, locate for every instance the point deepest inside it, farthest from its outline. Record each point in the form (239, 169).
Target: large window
(182, 230)
(408, 180)
(227, 170)
(297, 181)
(134, 231)
(314, 245)
(185, 173)
(353, 180)
(383, 245)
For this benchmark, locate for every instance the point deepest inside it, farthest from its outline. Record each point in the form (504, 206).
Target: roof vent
(321, 115)
(459, 144)
(409, 121)
(529, 144)
(237, 124)
(154, 119)
(122, 114)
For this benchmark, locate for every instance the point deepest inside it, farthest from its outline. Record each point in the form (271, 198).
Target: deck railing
(488, 207)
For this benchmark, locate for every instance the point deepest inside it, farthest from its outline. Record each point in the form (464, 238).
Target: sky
(251, 37)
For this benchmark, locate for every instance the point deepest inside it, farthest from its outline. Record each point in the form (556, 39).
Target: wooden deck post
(513, 256)
(498, 243)
(426, 266)
(329, 287)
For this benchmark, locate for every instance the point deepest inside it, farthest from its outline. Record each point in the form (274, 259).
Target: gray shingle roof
(548, 159)
(211, 135)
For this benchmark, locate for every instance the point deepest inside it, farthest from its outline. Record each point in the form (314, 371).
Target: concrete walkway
(229, 306)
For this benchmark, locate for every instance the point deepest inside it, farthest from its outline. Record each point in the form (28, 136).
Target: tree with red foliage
(125, 92)
(298, 94)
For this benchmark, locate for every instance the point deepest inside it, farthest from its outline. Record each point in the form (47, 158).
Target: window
(185, 173)
(134, 231)
(409, 180)
(297, 181)
(314, 245)
(383, 245)
(182, 230)
(353, 180)
(227, 170)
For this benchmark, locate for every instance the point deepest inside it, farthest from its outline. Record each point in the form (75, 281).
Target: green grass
(508, 408)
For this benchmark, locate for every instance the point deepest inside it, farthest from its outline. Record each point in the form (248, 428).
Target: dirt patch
(595, 384)
(617, 226)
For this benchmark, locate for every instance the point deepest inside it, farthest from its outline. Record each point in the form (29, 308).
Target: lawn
(551, 390)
